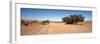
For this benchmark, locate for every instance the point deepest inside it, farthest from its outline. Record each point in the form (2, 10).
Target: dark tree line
(73, 19)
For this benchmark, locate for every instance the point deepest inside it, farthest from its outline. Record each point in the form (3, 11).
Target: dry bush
(45, 22)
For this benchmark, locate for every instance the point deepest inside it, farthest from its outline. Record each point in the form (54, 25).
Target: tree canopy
(75, 18)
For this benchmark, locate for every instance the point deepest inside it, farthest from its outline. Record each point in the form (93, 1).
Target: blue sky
(51, 14)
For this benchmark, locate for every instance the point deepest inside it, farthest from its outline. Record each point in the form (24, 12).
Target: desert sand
(56, 28)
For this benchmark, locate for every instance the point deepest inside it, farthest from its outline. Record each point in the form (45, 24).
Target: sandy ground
(34, 29)
(56, 28)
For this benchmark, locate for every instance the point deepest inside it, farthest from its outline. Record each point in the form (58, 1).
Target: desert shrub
(73, 19)
(22, 22)
(26, 24)
(45, 22)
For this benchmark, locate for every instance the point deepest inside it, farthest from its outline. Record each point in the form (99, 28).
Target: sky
(51, 14)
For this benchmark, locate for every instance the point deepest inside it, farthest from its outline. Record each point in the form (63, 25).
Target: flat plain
(56, 28)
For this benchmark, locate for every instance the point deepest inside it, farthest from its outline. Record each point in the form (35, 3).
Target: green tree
(73, 19)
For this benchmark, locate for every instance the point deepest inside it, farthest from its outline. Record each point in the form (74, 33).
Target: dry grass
(56, 28)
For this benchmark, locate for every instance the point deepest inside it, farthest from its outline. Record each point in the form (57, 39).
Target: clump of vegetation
(24, 23)
(73, 19)
(45, 22)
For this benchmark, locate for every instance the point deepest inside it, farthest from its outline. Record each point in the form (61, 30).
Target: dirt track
(56, 28)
